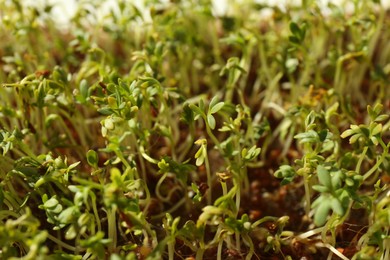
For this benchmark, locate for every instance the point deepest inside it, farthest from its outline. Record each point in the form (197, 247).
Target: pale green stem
(238, 198)
(63, 244)
(219, 250)
(263, 220)
(310, 233)
(373, 169)
(95, 212)
(238, 241)
(158, 194)
(172, 209)
(224, 192)
(249, 242)
(88, 183)
(199, 253)
(171, 249)
(209, 180)
(112, 234)
(213, 137)
(379, 162)
(333, 250)
(7, 213)
(361, 158)
(307, 194)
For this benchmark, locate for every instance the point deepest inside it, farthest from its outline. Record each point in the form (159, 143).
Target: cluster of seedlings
(176, 132)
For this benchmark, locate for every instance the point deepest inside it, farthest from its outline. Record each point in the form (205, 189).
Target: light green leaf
(324, 176)
(374, 140)
(213, 101)
(336, 206)
(211, 121)
(51, 203)
(320, 188)
(217, 107)
(377, 129)
(200, 160)
(321, 213)
(73, 165)
(381, 118)
(354, 138)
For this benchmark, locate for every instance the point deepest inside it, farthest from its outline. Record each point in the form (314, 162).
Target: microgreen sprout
(175, 130)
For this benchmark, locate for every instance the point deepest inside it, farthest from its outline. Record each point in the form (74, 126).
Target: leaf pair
(333, 196)
(371, 133)
(213, 108)
(298, 33)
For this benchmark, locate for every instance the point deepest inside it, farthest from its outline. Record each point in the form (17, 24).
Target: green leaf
(109, 124)
(347, 133)
(40, 94)
(294, 28)
(213, 101)
(378, 108)
(331, 111)
(200, 156)
(320, 188)
(374, 140)
(201, 105)
(70, 233)
(57, 209)
(324, 177)
(200, 160)
(364, 130)
(354, 138)
(337, 178)
(310, 136)
(371, 112)
(51, 203)
(349, 182)
(196, 109)
(252, 153)
(287, 173)
(284, 171)
(381, 118)
(377, 129)
(73, 165)
(211, 121)
(310, 119)
(188, 114)
(324, 134)
(286, 181)
(84, 89)
(216, 107)
(294, 40)
(336, 206)
(321, 213)
(68, 215)
(92, 158)
(163, 166)
(105, 111)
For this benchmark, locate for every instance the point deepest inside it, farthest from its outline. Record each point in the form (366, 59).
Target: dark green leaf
(92, 158)
(294, 28)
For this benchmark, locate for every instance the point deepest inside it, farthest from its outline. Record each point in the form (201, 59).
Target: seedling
(172, 131)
